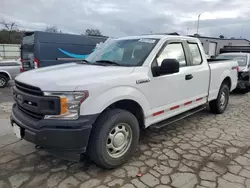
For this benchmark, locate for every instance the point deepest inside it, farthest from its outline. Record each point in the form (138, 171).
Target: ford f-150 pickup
(99, 105)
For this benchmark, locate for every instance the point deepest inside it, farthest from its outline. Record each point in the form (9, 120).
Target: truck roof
(159, 37)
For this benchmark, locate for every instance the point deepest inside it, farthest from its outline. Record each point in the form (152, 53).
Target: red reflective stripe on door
(158, 113)
(198, 99)
(189, 102)
(174, 107)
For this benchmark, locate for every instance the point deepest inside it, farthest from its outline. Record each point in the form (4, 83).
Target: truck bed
(220, 69)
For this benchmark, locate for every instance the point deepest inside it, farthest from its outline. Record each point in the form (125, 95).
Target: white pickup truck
(99, 105)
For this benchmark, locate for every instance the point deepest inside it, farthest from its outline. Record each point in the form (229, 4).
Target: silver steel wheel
(2, 82)
(119, 140)
(222, 99)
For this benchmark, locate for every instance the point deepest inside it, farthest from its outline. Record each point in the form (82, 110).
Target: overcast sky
(132, 17)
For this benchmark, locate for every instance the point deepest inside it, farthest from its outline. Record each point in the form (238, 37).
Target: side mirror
(169, 66)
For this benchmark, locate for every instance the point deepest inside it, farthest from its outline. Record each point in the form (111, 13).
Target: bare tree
(52, 29)
(221, 36)
(93, 32)
(10, 26)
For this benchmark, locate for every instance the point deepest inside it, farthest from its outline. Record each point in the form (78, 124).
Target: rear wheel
(114, 138)
(3, 81)
(219, 105)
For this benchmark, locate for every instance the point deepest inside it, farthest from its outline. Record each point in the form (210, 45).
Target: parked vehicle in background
(243, 60)
(42, 49)
(99, 105)
(9, 69)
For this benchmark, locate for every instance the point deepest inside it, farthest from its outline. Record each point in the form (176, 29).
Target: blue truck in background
(42, 49)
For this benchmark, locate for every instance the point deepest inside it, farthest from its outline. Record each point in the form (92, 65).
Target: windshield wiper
(108, 62)
(85, 61)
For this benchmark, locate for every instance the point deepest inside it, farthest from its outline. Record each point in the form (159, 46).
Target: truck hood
(68, 77)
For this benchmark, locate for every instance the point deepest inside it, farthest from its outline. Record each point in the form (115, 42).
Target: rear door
(199, 71)
(27, 51)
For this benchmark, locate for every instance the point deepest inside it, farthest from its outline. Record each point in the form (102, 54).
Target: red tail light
(36, 63)
(21, 68)
(237, 68)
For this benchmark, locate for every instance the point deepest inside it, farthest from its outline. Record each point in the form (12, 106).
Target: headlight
(70, 103)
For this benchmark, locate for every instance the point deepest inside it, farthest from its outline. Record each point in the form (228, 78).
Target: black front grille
(31, 114)
(32, 102)
(32, 90)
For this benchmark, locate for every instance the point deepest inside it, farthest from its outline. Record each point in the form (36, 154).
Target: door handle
(188, 77)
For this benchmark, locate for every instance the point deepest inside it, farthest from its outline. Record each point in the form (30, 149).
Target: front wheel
(219, 105)
(114, 138)
(3, 81)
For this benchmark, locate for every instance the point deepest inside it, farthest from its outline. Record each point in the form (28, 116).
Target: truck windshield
(242, 60)
(131, 52)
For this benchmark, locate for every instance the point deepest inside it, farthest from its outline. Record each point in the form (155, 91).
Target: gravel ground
(204, 150)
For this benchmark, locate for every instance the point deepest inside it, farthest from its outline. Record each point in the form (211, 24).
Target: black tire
(215, 105)
(105, 124)
(3, 81)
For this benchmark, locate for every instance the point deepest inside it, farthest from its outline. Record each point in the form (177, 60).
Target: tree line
(10, 34)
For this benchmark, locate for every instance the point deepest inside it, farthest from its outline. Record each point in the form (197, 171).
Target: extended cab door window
(173, 51)
(195, 53)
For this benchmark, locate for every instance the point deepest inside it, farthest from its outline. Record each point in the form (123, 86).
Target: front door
(168, 93)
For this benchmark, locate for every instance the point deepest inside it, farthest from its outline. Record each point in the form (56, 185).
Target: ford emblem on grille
(19, 99)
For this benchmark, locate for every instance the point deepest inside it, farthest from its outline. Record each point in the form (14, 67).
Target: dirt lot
(204, 150)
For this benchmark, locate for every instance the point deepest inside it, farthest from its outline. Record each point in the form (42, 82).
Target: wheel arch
(6, 74)
(126, 98)
(228, 82)
(131, 106)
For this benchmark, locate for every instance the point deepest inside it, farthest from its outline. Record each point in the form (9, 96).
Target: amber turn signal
(64, 106)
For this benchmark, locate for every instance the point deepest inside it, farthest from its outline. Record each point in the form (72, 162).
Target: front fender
(95, 105)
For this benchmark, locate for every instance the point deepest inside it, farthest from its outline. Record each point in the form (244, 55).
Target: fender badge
(142, 81)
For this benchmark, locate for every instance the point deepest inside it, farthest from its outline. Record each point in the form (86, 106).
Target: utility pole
(198, 22)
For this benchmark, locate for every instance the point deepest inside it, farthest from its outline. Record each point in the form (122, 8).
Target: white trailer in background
(9, 51)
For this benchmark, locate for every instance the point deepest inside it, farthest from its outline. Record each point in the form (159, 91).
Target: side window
(173, 51)
(195, 52)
